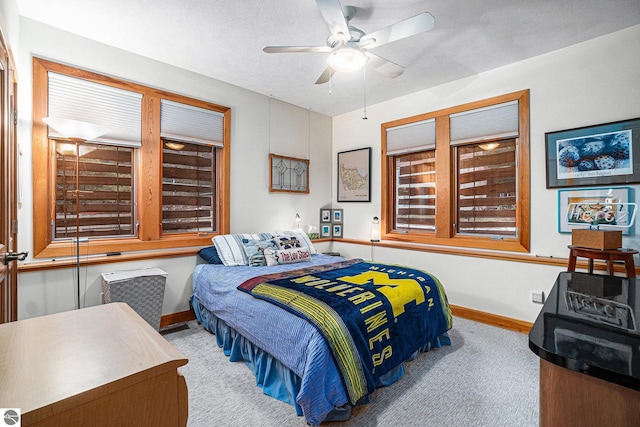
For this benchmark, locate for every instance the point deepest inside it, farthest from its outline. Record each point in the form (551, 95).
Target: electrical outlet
(537, 297)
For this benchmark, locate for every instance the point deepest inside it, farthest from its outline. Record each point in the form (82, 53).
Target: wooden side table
(99, 366)
(609, 255)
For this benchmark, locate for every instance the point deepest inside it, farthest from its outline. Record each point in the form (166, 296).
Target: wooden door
(8, 190)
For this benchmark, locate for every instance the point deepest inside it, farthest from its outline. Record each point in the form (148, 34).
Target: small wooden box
(596, 239)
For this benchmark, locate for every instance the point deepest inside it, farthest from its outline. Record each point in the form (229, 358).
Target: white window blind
(411, 138)
(493, 122)
(118, 110)
(186, 123)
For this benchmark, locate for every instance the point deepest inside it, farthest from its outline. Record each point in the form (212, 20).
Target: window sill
(503, 256)
(68, 262)
(103, 259)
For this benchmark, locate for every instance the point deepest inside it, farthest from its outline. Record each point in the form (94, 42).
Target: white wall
(590, 83)
(594, 82)
(253, 208)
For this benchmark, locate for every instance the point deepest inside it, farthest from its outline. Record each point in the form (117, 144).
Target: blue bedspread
(373, 316)
(321, 389)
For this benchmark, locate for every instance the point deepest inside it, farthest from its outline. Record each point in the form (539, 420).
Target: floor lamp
(77, 132)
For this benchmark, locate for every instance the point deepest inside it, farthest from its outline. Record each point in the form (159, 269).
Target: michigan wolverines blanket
(373, 316)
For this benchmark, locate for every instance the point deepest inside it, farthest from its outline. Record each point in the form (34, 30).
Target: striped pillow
(231, 249)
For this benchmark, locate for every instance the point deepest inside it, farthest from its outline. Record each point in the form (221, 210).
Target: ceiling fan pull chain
(364, 79)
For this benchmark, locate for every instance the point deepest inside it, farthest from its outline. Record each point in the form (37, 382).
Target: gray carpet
(487, 377)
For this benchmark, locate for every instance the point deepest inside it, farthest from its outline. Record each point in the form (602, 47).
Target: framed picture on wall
(325, 215)
(288, 174)
(354, 179)
(603, 154)
(337, 230)
(325, 230)
(595, 207)
(336, 215)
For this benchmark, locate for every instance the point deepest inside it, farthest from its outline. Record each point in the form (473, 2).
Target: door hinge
(15, 117)
(14, 226)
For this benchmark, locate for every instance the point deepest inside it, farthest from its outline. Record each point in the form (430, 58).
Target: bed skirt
(275, 379)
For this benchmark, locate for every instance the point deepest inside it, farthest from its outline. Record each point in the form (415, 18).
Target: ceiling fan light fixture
(346, 60)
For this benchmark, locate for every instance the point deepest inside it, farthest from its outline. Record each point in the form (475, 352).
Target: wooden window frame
(446, 183)
(148, 167)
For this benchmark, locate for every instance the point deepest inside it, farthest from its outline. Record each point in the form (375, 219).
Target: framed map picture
(354, 180)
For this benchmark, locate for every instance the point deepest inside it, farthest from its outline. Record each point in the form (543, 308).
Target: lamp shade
(346, 60)
(75, 129)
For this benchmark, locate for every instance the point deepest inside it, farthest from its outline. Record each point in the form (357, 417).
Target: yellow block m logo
(399, 292)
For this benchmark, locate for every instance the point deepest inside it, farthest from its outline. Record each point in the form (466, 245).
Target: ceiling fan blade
(293, 49)
(383, 66)
(400, 30)
(331, 11)
(325, 76)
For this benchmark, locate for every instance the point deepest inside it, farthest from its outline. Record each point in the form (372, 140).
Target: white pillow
(287, 242)
(301, 236)
(286, 256)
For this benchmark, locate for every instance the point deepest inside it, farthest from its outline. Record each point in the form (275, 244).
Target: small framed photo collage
(331, 222)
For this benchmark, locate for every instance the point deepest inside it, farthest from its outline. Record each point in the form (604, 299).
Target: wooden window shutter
(93, 191)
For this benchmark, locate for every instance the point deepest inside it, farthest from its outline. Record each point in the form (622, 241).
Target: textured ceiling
(224, 39)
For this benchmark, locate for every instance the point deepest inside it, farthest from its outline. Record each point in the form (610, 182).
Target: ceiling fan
(349, 46)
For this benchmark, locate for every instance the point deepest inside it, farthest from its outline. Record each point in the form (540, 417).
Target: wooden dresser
(98, 366)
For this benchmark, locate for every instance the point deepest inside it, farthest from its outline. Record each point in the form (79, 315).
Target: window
(94, 194)
(188, 188)
(415, 191)
(191, 137)
(156, 179)
(460, 176)
(486, 188)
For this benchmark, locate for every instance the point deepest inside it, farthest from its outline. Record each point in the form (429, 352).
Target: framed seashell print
(603, 154)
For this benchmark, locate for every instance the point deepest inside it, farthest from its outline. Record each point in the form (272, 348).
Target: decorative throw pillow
(286, 256)
(287, 242)
(210, 255)
(301, 236)
(255, 250)
(231, 249)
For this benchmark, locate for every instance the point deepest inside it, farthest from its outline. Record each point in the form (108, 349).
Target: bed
(289, 352)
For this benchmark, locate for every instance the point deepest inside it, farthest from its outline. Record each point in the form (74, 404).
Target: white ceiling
(224, 39)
